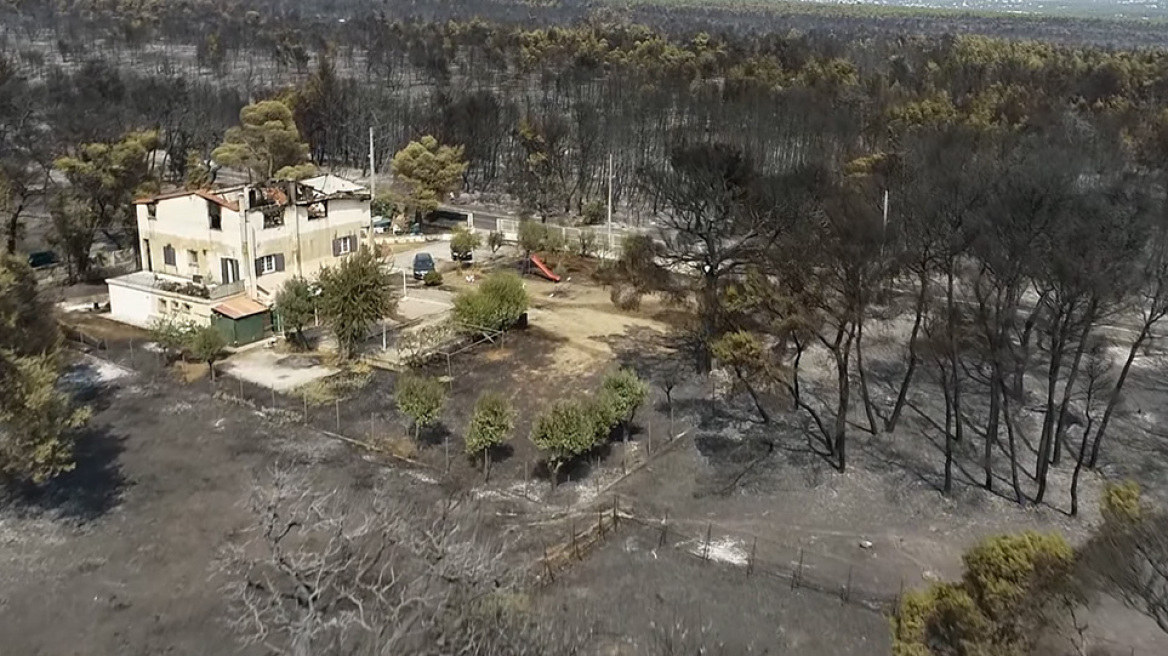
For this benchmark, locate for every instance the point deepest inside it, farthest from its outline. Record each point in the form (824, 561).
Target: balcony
(227, 289)
(182, 286)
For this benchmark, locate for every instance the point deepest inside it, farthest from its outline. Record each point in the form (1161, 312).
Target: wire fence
(798, 567)
(362, 420)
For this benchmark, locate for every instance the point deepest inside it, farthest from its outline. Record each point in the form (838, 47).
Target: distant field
(1137, 10)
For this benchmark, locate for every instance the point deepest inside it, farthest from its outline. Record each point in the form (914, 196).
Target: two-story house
(220, 256)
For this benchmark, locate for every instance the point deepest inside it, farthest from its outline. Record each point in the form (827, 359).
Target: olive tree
(421, 399)
(296, 306)
(490, 426)
(355, 295)
(206, 344)
(564, 431)
(624, 391)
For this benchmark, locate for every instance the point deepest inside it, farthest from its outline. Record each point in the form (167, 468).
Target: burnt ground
(665, 596)
(115, 558)
(769, 489)
(762, 494)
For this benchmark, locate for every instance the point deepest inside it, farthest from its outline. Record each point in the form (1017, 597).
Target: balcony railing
(227, 289)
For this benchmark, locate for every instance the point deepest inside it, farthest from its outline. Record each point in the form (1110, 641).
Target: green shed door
(225, 326)
(251, 329)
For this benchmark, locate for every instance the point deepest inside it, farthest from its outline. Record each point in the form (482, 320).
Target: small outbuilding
(241, 320)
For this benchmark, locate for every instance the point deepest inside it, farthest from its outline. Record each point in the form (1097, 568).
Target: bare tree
(1128, 557)
(322, 574)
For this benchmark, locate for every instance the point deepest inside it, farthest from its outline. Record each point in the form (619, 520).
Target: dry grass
(189, 372)
(338, 387)
(400, 446)
(95, 325)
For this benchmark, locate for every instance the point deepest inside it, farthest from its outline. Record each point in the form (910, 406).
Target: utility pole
(609, 247)
(372, 187)
(886, 210)
(884, 239)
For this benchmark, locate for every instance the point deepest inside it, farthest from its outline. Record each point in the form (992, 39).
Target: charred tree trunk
(708, 309)
(1012, 444)
(991, 436)
(902, 394)
(1045, 444)
(1079, 462)
(865, 397)
(766, 417)
(842, 353)
(951, 338)
(1072, 376)
(1022, 361)
(1113, 400)
(947, 391)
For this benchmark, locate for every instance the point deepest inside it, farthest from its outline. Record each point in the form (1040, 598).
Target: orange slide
(547, 273)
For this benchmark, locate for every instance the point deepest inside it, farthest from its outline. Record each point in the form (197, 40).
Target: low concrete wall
(413, 239)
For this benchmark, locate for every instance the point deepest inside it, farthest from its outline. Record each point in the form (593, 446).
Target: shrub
(206, 344)
(463, 243)
(495, 305)
(554, 242)
(602, 411)
(491, 423)
(586, 242)
(594, 212)
(1121, 502)
(625, 297)
(625, 392)
(355, 295)
(565, 430)
(171, 335)
(432, 278)
(421, 399)
(296, 305)
(532, 236)
(1011, 587)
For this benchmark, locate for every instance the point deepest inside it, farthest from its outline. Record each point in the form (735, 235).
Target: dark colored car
(423, 264)
(42, 259)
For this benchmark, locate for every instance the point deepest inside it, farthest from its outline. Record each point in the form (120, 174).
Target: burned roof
(202, 193)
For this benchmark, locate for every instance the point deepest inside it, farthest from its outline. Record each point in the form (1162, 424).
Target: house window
(269, 264)
(215, 213)
(162, 305)
(152, 211)
(344, 245)
(193, 258)
(275, 217)
(168, 257)
(318, 210)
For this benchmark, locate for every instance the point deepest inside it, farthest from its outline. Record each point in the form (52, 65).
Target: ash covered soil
(117, 557)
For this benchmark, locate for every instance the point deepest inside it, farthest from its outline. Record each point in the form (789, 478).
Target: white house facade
(206, 255)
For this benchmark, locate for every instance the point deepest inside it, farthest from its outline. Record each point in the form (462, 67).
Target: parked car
(423, 264)
(382, 225)
(42, 259)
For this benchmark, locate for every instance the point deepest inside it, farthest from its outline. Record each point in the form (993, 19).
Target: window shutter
(259, 266)
(336, 248)
(279, 261)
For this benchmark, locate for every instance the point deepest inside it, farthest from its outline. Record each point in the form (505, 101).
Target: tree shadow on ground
(576, 469)
(93, 488)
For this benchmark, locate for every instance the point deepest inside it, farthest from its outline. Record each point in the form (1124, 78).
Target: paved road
(404, 260)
